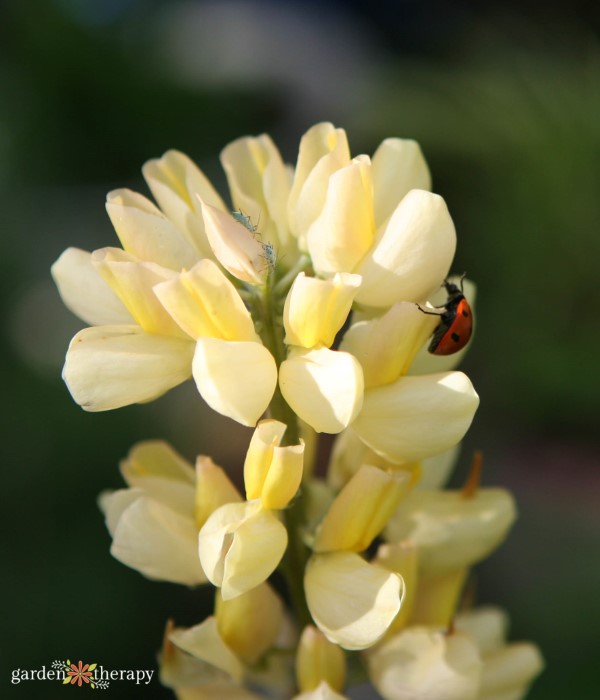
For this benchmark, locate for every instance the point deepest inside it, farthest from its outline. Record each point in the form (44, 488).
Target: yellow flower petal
(133, 282)
(155, 458)
(240, 546)
(272, 473)
(508, 673)
(204, 642)
(361, 510)
(161, 473)
(213, 489)
(437, 597)
(451, 531)
(319, 660)
(324, 387)
(345, 229)
(236, 379)
(352, 602)
(316, 309)
(175, 181)
(402, 558)
(386, 346)
(204, 303)
(412, 253)
(323, 150)
(85, 293)
(423, 664)
(234, 246)
(398, 167)
(112, 366)
(157, 541)
(145, 231)
(487, 626)
(417, 417)
(250, 623)
(259, 184)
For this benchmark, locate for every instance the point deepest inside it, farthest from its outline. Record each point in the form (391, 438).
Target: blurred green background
(505, 102)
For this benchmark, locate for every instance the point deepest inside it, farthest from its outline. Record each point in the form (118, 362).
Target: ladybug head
(453, 289)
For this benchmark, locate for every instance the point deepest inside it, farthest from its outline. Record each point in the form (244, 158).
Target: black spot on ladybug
(465, 314)
(455, 337)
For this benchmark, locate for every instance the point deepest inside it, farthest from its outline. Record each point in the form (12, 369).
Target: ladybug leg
(430, 313)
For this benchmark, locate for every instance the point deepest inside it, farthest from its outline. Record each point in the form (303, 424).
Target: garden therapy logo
(80, 674)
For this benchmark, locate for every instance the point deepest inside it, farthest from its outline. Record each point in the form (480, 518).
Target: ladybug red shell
(456, 322)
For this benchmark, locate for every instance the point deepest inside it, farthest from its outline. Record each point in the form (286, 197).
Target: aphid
(456, 322)
(269, 254)
(245, 220)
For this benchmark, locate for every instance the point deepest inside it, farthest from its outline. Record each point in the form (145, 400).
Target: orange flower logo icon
(80, 673)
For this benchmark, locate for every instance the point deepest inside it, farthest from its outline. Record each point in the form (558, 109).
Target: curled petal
(398, 167)
(353, 603)
(85, 293)
(204, 642)
(145, 231)
(402, 558)
(204, 303)
(412, 253)
(234, 246)
(157, 541)
(259, 184)
(112, 366)
(272, 473)
(423, 664)
(323, 150)
(345, 229)
(452, 531)
(315, 309)
(236, 379)
(175, 181)
(417, 417)
(324, 387)
(240, 546)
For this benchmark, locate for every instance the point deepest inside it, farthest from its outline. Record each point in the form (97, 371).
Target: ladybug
(456, 322)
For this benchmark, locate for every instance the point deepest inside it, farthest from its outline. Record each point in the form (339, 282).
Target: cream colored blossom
(508, 669)
(422, 663)
(450, 530)
(271, 472)
(154, 523)
(241, 544)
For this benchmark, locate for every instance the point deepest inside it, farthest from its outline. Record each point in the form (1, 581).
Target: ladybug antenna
(464, 274)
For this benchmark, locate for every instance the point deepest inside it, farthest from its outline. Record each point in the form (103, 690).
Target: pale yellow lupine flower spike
(297, 309)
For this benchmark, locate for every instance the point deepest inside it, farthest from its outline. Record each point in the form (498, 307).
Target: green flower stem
(269, 313)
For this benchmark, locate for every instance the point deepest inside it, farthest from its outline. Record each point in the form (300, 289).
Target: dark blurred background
(505, 101)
